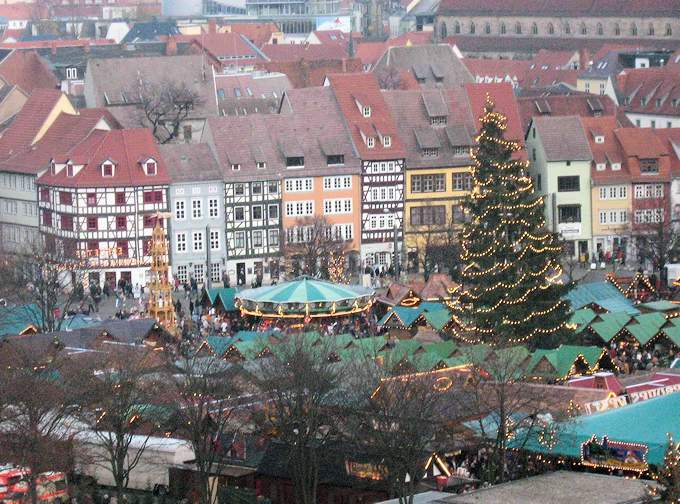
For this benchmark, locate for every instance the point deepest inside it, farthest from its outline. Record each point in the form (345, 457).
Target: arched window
(567, 28)
(551, 29)
(472, 28)
(600, 30)
(502, 28)
(487, 28)
(442, 31)
(518, 28)
(456, 27)
(617, 29)
(650, 30)
(633, 30)
(534, 29)
(584, 30)
(669, 30)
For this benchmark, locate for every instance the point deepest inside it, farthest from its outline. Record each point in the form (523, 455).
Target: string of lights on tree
(511, 275)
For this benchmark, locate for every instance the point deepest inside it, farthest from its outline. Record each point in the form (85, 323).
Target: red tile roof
(483, 69)
(258, 33)
(231, 46)
(64, 134)
(640, 143)
(28, 122)
(370, 52)
(128, 149)
(671, 139)
(17, 11)
(42, 44)
(544, 77)
(561, 8)
(293, 52)
(15, 34)
(554, 58)
(28, 71)
(607, 152)
(584, 105)
(651, 90)
(313, 73)
(504, 98)
(363, 88)
(333, 37)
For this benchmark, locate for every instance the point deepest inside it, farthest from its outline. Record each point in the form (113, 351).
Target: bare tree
(119, 412)
(40, 285)
(389, 78)
(396, 421)
(311, 244)
(204, 400)
(301, 389)
(38, 393)
(163, 106)
(658, 242)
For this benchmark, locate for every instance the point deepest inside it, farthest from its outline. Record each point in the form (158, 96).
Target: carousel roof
(305, 290)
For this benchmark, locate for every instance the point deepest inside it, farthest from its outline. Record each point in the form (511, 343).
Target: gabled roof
(150, 31)
(129, 148)
(227, 47)
(504, 98)
(671, 139)
(294, 52)
(603, 294)
(258, 33)
(640, 143)
(651, 90)
(28, 71)
(583, 105)
(432, 65)
(497, 70)
(608, 152)
(560, 8)
(610, 324)
(562, 138)
(349, 89)
(190, 163)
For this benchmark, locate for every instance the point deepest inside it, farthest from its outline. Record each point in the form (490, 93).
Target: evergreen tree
(668, 477)
(511, 272)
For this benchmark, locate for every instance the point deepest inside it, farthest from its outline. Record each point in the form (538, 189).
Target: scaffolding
(160, 305)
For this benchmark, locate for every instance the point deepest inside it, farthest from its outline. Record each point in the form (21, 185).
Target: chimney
(171, 46)
(212, 26)
(53, 45)
(344, 65)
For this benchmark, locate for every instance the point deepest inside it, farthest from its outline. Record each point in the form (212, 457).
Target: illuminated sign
(614, 454)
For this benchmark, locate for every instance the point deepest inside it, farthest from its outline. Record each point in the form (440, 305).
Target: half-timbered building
(252, 196)
(99, 202)
(375, 137)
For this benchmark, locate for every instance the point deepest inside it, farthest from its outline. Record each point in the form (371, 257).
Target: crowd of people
(629, 357)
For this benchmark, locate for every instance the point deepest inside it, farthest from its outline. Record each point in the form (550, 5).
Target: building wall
(12, 104)
(18, 210)
(318, 192)
(602, 87)
(559, 26)
(608, 234)
(187, 220)
(653, 120)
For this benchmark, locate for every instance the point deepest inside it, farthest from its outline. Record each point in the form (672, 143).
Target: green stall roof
(443, 349)
(644, 327)
(646, 422)
(225, 295)
(437, 319)
(662, 305)
(610, 324)
(603, 294)
(582, 318)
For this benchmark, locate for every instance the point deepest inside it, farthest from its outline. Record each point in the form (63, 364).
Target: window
(538, 182)
(428, 215)
(428, 183)
(649, 166)
(92, 223)
(257, 238)
(337, 206)
(584, 29)
(534, 29)
(633, 30)
(366, 111)
(181, 273)
(370, 142)
(122, 249)
(273, 237)
(180, 213)
(487, 28)
(472, 28)
(503, 29)
(149, 221)
(214, 239)
(567, 28)
(337, 182)
(518, 28)
(71, 73)
(213, 208)
(239, 213)
(121, 222)
(431, 152)
(120, 198)
(650, 30)
(256, 188)
(551, 29)
(181, 242)
(151, 167)
(199, 273)
(196, 209)
(235, 167)
(652, 123)
(600, 30)
(65, 198)
(45, 194)
(337, 159)
(295, 162)
(273, 187)
(215, 272)
(617, 29)
(456, 27)
(649, 215)
(462, 181)
(153, 197)
(669, 30)
(387, 141)
(273, 211)
(107, 170)
(299, 185)
(239, 189)
(569, 213)
(261, 165)
(257, 212)
(198, 241)
(568, 184)
(67, 222)
(299, 208)
(239, 239)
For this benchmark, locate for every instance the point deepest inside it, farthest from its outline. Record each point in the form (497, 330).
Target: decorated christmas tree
(511, 272)
(669, 476)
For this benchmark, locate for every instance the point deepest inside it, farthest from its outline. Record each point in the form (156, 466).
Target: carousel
(305, 298)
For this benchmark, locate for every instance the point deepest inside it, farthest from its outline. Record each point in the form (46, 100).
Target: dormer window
(366, 111)
(235, 167)
(600, 166)
(438, 121)
(107, 169)
(70, 172)
(261, 165)
(150, 167)
(295, 162)
(387, 141)
(370, 142)
(649, 166)
(599, 139)
(616, 166)
(336, 159)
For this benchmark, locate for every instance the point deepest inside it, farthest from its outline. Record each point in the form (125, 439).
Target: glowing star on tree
(511, 275)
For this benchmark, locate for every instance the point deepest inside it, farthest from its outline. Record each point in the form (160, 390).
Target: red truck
(51, 487)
